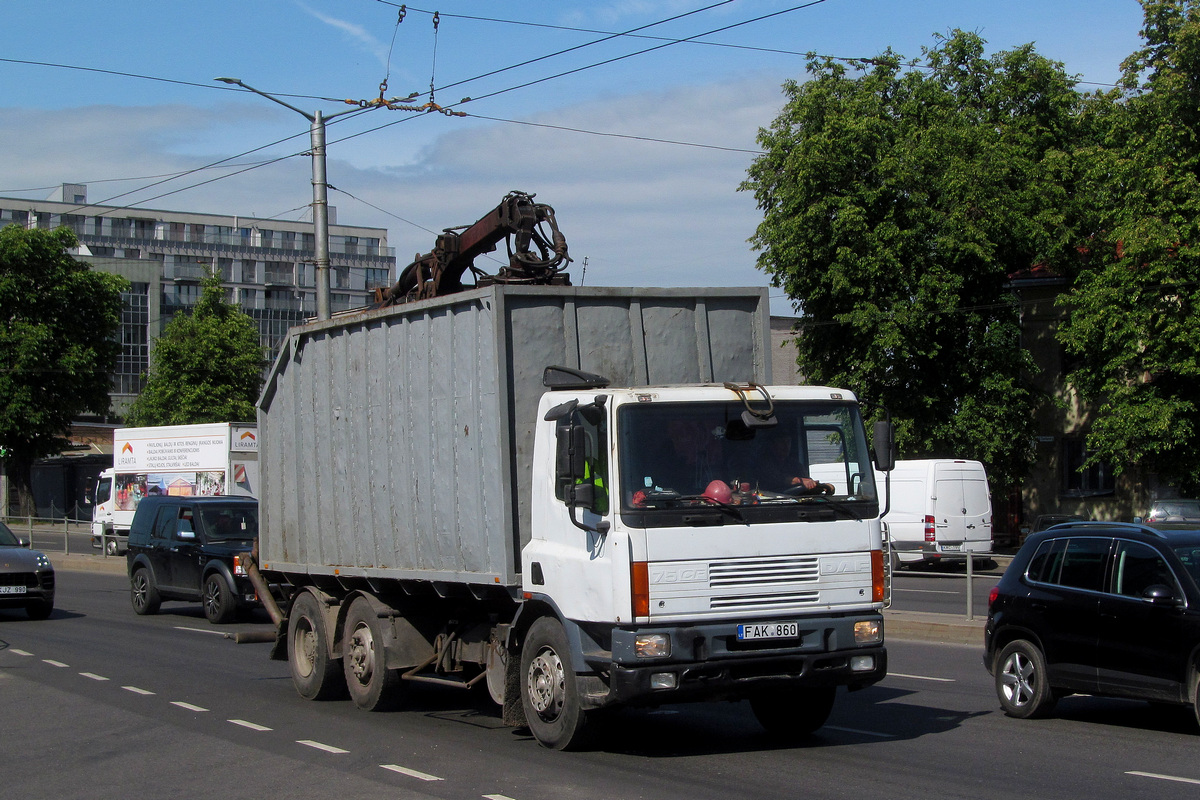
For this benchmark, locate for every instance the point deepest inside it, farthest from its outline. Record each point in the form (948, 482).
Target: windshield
(230, 522)
(675, 455)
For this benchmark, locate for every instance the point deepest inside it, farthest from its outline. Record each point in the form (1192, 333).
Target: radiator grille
(763, 571)
(751, 602)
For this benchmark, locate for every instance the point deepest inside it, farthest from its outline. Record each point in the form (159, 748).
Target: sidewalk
(900, 625)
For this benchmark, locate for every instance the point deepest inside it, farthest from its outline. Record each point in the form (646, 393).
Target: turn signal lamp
(877, 587)
(640, 583)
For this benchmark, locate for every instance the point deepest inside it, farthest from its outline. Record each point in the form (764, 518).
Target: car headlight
(43, 563)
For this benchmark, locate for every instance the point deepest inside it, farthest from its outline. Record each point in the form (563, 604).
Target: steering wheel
(800, 490)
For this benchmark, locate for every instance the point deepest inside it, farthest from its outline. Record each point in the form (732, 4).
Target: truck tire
(549, 693)
(794, 713)
(143, 594)
(315, 675)
(220, 605)
(373, 687)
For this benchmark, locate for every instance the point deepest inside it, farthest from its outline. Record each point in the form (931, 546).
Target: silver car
(26, 576)
(1174, 510)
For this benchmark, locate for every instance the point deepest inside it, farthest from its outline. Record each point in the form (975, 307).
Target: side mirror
(570, 461)
(1160, 594)
(883, 440)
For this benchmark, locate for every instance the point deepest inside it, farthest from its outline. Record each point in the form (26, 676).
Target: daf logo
(679, 575)
(845, 566)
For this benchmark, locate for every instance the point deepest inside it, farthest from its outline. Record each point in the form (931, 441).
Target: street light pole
(320, 190)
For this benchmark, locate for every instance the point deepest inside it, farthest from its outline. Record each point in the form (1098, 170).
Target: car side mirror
(1160, 594)
(187, 536)
(23, 542)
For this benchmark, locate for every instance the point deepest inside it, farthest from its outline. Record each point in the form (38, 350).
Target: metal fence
(60, 534)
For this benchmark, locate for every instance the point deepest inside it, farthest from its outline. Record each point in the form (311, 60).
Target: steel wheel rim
(362, 653)
(547, 684)
(1017, 679)
(305, 656)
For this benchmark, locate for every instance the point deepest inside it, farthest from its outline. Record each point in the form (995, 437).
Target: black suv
(1098, 608)
(192, 548)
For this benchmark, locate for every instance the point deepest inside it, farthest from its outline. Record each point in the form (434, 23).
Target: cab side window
(1136, 567)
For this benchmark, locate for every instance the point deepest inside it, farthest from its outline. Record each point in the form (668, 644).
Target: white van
(940, 509)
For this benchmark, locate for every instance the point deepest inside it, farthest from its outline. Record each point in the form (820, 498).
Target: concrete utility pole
(320, 190)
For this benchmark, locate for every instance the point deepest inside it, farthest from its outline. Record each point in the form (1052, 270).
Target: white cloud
(643, 213)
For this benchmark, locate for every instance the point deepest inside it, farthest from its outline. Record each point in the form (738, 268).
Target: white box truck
(451, 493)
(941, 509)
(206, 459)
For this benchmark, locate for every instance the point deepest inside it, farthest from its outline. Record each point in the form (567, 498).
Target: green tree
(206, 366)
(58, 345)
(897, 198)
(1133, 319)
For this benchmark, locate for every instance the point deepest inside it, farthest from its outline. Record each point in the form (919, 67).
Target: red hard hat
(719, 492)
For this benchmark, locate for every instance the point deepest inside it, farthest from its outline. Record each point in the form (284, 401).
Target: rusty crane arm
(537, 253)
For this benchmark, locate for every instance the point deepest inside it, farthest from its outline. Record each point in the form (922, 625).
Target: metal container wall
(398, 443)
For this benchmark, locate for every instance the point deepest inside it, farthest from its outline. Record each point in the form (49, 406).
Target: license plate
(12, 590)
(951, 548)
(768, 630)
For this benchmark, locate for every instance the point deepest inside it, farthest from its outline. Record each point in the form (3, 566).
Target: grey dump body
(398, 443)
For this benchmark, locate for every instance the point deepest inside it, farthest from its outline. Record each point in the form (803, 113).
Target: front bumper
(38, 588)
(708, 662)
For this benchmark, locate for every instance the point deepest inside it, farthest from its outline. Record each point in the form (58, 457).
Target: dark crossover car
(192, 548)
(1098, 608)
(26, 577)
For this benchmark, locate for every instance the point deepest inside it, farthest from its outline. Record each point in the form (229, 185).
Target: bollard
(970, 587)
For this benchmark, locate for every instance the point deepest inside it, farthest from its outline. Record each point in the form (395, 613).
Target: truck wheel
(142, 592)
(1021, 681)
(315, 675)
(219, 603)
(548, 690)
(373, 687)
(794, 713)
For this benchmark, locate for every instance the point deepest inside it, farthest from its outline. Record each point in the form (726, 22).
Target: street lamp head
(234, 81)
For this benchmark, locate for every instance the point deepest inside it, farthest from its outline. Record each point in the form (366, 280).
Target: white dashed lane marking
(54, 663)
(137, 690)
(254, 726)
(187, 706)
(1175, 778)
(93, 676)
(17, 652)
(920, 677)
(328, 748)
(412, 773)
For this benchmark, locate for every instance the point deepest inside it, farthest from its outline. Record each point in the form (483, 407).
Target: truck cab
(700, 541)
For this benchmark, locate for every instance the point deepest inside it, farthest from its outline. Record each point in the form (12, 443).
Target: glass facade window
(279, 272)
(377, 278)
(134, 360)
(339, 277)
(1080, 481)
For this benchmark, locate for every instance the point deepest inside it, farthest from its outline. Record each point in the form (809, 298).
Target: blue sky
(642, 212)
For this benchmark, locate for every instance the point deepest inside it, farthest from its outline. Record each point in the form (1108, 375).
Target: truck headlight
(652, 645)
(868, 631)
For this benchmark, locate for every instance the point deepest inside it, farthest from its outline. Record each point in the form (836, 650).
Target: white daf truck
(205, 459)
(579, 497)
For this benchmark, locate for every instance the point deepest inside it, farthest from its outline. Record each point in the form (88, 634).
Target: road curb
(928, 627)
(75, 562)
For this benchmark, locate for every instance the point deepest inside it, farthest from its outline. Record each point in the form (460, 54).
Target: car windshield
(230, 522)
(704, 454)
(7, 537)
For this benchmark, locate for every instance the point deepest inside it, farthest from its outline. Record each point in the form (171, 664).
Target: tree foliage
(896, 201)
(206, 366)
(1133, 315)
(58, 346)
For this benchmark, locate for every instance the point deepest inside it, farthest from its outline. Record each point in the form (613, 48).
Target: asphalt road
(100, 703)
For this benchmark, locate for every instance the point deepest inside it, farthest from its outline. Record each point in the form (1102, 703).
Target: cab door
(187, 559)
